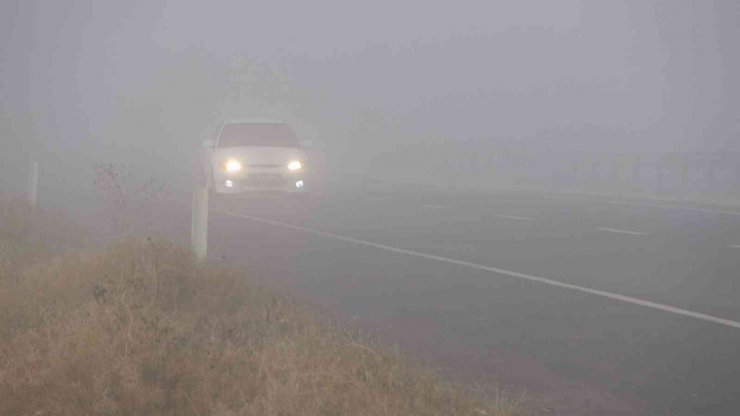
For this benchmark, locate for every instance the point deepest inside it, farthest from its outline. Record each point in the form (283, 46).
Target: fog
(435, 103)
(145, 79)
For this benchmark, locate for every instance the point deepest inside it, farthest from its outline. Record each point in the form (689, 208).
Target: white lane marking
(618, 231)
(435, 206)
(514, 217)
(735, 246)
(597, 292)
(704, 210)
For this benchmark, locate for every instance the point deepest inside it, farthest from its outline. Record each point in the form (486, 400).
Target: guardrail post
(199, 226)
(33, 184)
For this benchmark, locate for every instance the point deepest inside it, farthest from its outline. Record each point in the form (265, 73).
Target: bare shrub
(127, 196)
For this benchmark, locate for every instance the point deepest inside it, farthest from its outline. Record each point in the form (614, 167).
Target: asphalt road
(472, 282)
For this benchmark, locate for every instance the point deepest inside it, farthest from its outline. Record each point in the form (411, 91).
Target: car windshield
(257, 134)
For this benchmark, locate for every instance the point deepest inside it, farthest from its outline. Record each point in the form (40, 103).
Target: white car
(255, 155)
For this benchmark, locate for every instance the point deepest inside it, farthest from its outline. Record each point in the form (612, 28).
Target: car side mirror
(207, 144)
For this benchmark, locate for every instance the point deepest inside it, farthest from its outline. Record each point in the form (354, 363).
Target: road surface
(595, 306)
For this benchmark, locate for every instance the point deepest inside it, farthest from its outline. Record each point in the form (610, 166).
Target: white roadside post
(33, 184)
(199, 222)
(199, 227)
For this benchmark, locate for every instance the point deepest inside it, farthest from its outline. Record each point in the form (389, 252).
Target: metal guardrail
(707, 174)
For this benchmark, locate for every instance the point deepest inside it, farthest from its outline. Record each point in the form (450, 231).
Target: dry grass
(140, 329)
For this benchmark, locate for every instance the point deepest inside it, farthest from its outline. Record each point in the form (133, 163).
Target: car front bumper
(259, 181)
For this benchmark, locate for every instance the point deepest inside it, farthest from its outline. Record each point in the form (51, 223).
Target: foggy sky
(117, 79)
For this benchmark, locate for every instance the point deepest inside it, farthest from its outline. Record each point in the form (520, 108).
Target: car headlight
(294, 165)
(233, 166)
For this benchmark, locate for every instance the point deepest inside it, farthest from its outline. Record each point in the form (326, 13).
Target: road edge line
(523, 276)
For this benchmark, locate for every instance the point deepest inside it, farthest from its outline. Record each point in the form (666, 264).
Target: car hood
(253, 155)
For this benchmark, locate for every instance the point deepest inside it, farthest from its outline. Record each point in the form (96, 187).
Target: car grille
(266, 180)
(265, 165)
